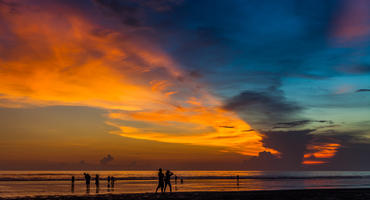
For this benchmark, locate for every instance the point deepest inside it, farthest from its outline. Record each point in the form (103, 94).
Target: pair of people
(111, 180)
(164, 181)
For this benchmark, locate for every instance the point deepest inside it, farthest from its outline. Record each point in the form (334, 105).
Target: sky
(184, 84)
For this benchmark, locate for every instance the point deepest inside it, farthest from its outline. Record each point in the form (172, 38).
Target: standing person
(97, 181)
(73, 184)
(112, 179)
(160, 180)
(108, 184)
(108, 179)
(87, 180)
(167, 180)
(175, 179)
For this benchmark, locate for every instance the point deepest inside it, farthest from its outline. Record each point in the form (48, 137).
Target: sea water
(34, 183)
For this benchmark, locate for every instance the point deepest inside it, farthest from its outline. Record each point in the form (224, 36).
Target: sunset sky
(185, 84)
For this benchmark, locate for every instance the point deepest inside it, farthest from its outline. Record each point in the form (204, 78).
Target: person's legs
(165, 186)
(170, 187)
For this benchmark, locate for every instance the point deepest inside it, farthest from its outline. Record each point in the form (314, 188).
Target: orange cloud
(60, 57)
(320, 151)
(195, 125)
(313, 162)
(62, 60)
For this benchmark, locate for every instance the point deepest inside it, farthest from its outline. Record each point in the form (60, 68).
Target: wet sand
(319, 194)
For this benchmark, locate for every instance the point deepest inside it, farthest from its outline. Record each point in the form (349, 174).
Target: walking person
(160, 180)
(167, 180)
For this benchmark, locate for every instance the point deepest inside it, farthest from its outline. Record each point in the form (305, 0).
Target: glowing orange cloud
(208, 126)
(320, 151)
(60, 57)
(61, 61)
(313, 162)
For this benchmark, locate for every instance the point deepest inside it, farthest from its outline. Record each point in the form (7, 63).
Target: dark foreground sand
(324, 194)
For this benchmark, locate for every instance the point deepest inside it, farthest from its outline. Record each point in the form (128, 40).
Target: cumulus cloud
(259, 107)
(106, 160)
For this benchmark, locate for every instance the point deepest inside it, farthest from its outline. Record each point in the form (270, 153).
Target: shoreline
(322, 194)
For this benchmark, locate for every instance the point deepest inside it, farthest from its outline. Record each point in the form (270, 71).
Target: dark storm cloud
(354, 156)
(250, 98)
(263, 106)
(352, 153)
(291, 145)
(107, 159)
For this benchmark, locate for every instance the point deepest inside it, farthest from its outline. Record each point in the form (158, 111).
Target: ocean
(34, 183)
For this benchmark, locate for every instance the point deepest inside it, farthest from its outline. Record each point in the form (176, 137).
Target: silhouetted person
(112, 182)
(182, 181)
(73, 184)
(160, 180)
(97, 181)
(112, 179)
(167, 180)
(87, 180)
(108, 184)
(175, 179)
(237, 180)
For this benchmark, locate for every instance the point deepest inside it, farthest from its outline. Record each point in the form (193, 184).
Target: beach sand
(319, 194)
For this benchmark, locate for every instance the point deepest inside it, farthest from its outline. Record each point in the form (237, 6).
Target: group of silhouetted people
(110, 180)
(164, 180)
